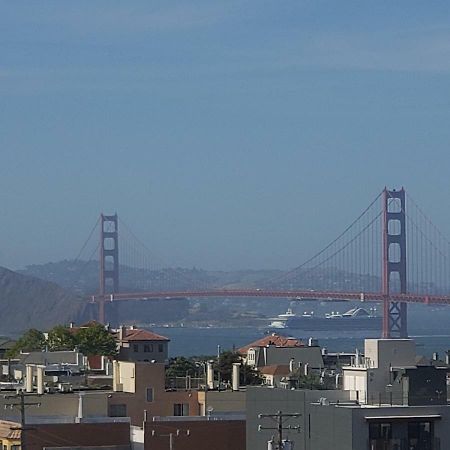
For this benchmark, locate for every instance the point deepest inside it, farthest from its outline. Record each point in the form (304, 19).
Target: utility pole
(171, 436)
(21, 405)
(280, 420)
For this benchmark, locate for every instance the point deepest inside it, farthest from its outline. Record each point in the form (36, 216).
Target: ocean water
(204, 341)
(429, 326)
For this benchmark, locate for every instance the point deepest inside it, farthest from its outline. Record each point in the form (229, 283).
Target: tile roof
(275, 369)
(9, 430)
(272, 339)
(143, 335)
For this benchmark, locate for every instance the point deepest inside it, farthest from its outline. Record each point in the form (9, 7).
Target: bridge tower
(395, 323)
(109, 260)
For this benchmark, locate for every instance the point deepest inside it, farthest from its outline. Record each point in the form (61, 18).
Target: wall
(361, 428)
(128, 353)
(263, 400)
(203, 435)
(63, 406)
(390, 352)
(151, 375)
(222, 401)
(330, 428)
(112, 435)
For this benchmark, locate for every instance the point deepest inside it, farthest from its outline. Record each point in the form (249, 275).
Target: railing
(405, 444)
(185, 383)
(411, 399)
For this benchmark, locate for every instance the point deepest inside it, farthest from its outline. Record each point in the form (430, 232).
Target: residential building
(279, 350)
(142, 345)
(193, 433)
(9, 435)
(275, 375)
(140, 391)
(388, 403)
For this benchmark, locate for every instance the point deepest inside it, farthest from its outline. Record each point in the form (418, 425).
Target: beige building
(10, 434)
(140, 391)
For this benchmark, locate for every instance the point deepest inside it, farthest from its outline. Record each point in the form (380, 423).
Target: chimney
(210, 375)
(291, 365)
(122, 332)
(80, 407)
(116, 376)
(29, 378)
(312, 342)
(71, 324)
(235, 376)
(447, 357)
(435, 356)
(40, 379)
(306, 369)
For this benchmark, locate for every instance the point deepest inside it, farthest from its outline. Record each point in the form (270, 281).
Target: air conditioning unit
(65, 387)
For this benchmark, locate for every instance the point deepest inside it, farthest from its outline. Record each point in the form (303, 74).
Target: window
(160, 348)
(148, 348)
(380, 431)
(119, 410)
(149, 394)
(420, 434)
(135, 348)
(15, 447)
(181, 409)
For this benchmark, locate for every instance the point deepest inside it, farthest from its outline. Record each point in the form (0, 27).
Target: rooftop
(272, 339)
(9, 430)
(142, 335)
(275, 369)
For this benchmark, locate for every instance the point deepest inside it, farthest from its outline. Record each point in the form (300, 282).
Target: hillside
(27, 302)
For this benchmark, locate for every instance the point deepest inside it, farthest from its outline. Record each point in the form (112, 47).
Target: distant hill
(82, 277)
(28, 302)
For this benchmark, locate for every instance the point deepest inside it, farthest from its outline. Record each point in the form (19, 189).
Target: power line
(280, 420)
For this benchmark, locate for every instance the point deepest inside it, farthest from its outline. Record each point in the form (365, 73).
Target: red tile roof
(272, 339)
(143, 335)
(275, 369)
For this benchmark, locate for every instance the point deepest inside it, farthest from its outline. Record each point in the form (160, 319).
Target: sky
(226, 134)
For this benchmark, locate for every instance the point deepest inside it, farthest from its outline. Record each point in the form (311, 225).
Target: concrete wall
(329, 430)
(63, 406)
(263, 400)
(222, 402)
(390, 352)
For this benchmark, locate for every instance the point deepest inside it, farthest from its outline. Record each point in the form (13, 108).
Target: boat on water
(353, 319)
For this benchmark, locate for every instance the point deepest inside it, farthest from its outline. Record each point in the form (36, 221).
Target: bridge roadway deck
(307, 295)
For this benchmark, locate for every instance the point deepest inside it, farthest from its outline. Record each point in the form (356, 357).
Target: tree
(32, 340)
(310, 381)
(248, 375)
(96, 340)
(180, 367)
(60, 338)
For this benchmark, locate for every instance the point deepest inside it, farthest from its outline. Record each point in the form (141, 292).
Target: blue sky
(229, 134)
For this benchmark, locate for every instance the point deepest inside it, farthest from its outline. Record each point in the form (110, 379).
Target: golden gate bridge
(391, 253)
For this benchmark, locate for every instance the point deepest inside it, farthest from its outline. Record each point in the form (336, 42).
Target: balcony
(404, 444)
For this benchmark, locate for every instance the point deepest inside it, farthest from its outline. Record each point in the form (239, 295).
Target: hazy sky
(227, 134)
